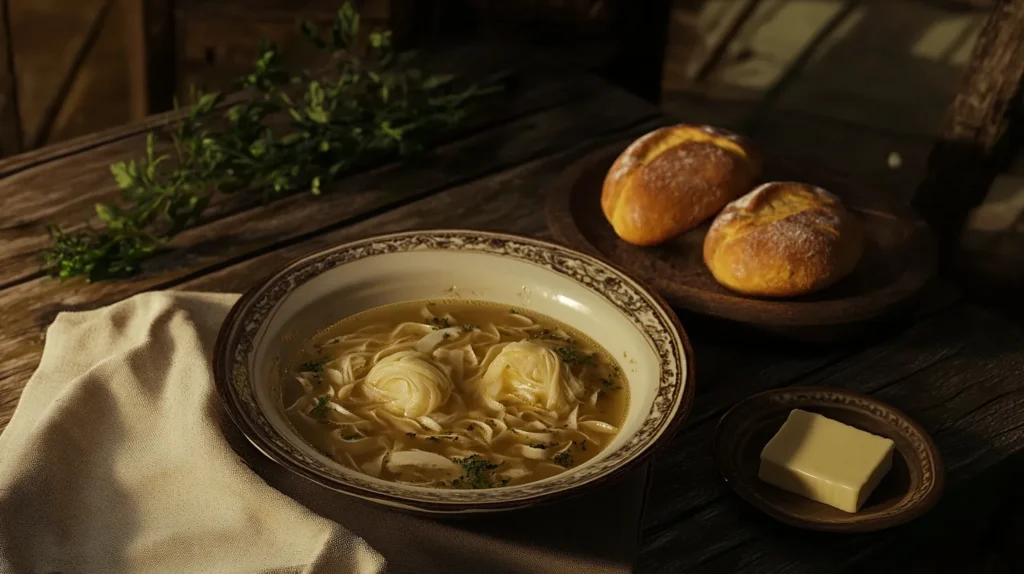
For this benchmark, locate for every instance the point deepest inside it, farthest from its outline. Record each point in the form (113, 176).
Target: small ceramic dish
(911, 488)
(269, 323)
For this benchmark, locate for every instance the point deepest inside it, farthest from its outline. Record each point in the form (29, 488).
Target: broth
(455, 394)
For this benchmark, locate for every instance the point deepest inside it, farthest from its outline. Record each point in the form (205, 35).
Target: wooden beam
(796, 67)
(10, 117)
(150, 47)
(640, 31)
(720, 49)
(982, 128)
(56, 103)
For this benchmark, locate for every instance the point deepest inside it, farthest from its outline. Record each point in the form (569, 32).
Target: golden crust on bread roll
(670, 180)
(783, 239)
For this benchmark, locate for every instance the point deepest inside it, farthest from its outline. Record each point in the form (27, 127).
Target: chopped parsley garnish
(471, 426)
(573, 356)
(513, 312)
(543, 445)
(315, 367)
(467, 327)
(433, 439)
(549, 335)
(610, 384)
(439, 323)
(410, 434)
(583, 445)
(320, 408)
(563, 458)
(477, 472)
(352, 437)
(446, 335)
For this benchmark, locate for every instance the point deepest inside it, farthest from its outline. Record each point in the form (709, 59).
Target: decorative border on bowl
(644, 309)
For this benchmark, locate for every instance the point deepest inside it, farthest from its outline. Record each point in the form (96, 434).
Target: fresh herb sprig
(364, 106)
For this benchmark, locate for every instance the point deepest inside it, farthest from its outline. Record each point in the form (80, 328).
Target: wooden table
(955, 367)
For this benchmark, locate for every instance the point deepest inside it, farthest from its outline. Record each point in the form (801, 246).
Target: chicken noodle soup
(455, 394)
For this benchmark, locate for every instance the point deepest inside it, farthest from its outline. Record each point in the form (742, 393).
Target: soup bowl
(268, 325)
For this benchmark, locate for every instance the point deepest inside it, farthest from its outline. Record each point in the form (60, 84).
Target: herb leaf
(477, 472)
(610, 384)
(365, 107)
(439, 323)
(573, 356)
(549, 335)
(320, 408)
(563, 458)
(315, 367)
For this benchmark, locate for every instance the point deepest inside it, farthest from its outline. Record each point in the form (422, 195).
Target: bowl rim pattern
(649, 313)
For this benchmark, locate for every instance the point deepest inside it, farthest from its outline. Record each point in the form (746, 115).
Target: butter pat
(825, 460)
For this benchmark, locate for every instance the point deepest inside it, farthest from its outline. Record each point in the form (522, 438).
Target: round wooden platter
(898, 260)
(912, 486)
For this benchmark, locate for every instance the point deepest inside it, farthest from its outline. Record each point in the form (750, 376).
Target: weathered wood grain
(82, 51)
(510, 201)
(241, 236)
(966, 390)
(85, 143)
(64, 190)
(473, 62)
(686, 476)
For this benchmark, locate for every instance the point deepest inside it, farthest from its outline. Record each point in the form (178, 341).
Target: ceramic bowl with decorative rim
(271, 322)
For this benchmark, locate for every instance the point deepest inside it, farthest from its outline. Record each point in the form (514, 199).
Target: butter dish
(896, 476)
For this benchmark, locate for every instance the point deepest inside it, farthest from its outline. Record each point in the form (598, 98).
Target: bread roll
(670, 180)
(783, 239)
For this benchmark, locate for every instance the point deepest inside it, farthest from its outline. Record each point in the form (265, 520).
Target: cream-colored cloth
(115, 460)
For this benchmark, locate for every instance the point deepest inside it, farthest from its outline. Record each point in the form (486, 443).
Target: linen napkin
(119, 459)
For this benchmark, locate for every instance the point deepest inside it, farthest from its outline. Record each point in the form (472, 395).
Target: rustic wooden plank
(685, 474)
(983, 125)
(511, 201)
(39, 195)
(958, 373)
(722, 44)
(472, 62)
(238, 237)
(796, 66)
(10, 118)
(21, 162)
(150, 45)
(81, 54)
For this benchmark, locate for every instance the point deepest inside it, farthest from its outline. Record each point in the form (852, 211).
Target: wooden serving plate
(912, 487)
(898, 260)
